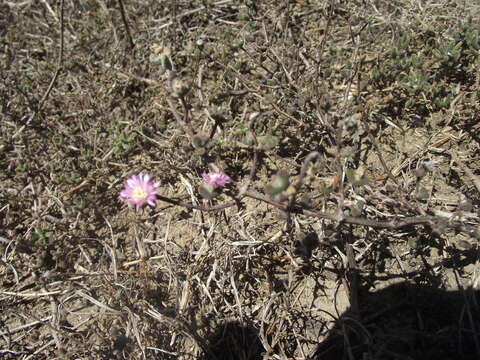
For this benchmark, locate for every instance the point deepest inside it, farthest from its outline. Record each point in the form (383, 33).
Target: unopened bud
(357, 207)
(179, 88)
(475, 233)
(420, 172)
(280, 182)
(207, 191)
(199, 140)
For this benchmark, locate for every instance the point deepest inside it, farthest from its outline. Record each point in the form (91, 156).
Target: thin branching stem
(184, 125)
(393, 224)
(125, 22)
(303, 172)
(55, 75)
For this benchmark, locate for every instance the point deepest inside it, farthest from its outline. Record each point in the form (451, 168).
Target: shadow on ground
(403, 321)
(407, 321)
(232, 341)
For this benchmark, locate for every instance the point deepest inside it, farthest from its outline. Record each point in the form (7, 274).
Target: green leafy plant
(416, 82)
(122, 142)
(449, 54)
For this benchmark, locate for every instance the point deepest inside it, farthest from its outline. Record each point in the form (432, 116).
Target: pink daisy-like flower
(140, 190)
(216, 179)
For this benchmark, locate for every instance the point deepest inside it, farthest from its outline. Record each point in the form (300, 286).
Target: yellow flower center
(139, 194)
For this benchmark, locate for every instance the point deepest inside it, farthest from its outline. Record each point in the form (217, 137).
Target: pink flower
(216, 179)
(139, 190)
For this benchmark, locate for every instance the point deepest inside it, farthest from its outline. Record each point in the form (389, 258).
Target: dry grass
(376, 256)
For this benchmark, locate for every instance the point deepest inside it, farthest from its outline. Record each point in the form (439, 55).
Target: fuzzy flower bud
(179, 88)
(279, 183)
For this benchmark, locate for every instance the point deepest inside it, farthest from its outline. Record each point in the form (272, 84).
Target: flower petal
(139, 190)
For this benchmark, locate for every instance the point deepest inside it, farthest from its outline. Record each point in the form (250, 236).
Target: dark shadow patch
(407, 321)
(233, 341)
